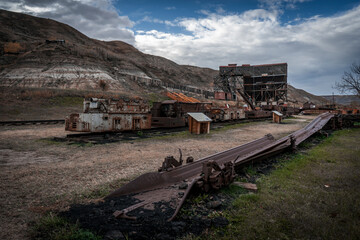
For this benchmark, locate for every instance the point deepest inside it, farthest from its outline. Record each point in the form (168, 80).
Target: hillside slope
(344, 99)
(300, 96)
(43, 53)
(29, 60)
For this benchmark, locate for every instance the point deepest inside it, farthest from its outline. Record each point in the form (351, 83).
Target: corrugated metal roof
(277, 113)
(200, 117)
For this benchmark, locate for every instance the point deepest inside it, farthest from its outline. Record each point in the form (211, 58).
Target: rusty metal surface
(109, 115)
(258, 114)
(32, 122)
(319, 111)
(153, 180)
(213, 171)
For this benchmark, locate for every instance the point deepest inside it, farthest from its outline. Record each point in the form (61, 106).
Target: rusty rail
(146, 186)
(33, 122)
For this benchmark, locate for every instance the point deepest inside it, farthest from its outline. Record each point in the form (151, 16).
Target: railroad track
(31, 122)
(109, 137)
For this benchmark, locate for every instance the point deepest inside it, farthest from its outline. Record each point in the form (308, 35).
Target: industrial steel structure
(258, 84)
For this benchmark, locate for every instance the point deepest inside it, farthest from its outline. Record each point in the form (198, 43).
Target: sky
(318, 39)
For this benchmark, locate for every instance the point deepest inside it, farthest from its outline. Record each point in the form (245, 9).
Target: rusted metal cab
(172, 113)
(110, 115)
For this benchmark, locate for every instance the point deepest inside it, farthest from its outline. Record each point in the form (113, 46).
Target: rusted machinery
(174, 182)
(103, 115)
(171, 113)
(116, 115)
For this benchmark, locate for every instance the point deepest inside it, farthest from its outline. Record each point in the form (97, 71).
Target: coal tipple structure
(259, 84)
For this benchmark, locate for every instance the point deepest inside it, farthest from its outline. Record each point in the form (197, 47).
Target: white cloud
(279, 5)
(95, 18)
(151, 20)
(170, 8)
(317, 50)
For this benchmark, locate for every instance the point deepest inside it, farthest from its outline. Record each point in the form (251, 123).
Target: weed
(103, 85)
(54, 227)
(233, 190)
(200, 198)
(250, 170)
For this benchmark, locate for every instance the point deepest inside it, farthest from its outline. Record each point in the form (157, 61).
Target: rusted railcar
(171, 113)
(110, 115)
(254, 114)
(226, 114)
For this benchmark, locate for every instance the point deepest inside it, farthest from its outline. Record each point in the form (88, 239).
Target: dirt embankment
(38, 175)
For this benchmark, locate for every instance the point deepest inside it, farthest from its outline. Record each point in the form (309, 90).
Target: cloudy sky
(319, 39)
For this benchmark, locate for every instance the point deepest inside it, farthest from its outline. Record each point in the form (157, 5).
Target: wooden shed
(277, 117)
(199, 123)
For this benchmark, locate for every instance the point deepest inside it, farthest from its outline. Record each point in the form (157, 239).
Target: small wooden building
(199, 123)
(277, 117)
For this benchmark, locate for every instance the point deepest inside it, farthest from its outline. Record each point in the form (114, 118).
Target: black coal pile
(149, 224)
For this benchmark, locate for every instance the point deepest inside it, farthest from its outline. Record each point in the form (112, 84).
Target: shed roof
(200, 117)
(277, 113)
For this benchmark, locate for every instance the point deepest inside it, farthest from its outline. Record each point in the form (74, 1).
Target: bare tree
(350, 81)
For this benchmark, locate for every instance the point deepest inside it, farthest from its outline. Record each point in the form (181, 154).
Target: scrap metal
(214, 171)
(180, 97)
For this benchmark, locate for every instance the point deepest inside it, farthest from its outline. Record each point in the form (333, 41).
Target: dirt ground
(38, 175)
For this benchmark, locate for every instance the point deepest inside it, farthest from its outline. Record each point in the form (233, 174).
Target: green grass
(53, 227)
(233, 190)
(153, 97)
(311, 195)
(66, 101)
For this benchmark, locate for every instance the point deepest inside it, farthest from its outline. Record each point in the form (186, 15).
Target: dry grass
(67, 173)
(44, 103)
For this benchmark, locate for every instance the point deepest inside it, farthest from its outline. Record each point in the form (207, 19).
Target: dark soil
(150, 224)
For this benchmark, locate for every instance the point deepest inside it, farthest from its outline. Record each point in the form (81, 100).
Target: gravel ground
(38, 175)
